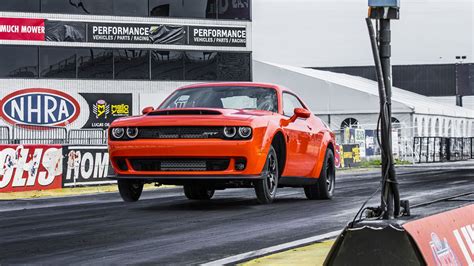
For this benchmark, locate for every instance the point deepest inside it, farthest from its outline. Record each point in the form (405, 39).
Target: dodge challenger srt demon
(214, 136)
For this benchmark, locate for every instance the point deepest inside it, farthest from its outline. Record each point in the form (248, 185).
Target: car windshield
(252, 98)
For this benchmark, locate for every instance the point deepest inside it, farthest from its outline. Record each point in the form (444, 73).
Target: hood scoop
(184, 112)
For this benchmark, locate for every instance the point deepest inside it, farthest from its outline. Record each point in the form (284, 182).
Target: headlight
(230, 132)
(118, 132)
(245, 132)
(132, 132)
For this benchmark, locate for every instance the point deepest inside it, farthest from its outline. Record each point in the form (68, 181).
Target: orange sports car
(215, 136)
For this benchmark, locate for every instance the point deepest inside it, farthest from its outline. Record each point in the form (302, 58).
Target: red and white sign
(446, 238)
(44, 107)
(30, 167)
(22, 29)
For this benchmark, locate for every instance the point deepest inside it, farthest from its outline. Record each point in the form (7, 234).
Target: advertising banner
(104, 108)
(86, 165)
(360, 139)
(22, 29)
(217, 36)
(30, 167)
(370, 143)
(75, 31)
(350, 155)
(135, 33)
(446, 238)
(43, 107)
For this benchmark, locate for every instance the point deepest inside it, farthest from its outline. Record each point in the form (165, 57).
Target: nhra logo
(442, 252)
(39, 107)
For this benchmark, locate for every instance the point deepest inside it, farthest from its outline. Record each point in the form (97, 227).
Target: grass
(378, 163)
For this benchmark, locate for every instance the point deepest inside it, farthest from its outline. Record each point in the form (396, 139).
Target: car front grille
(180, 133)
(178, 164)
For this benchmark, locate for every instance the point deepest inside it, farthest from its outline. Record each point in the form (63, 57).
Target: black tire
(266, 187)
(196, 192)
(324, 188)
(130, 190)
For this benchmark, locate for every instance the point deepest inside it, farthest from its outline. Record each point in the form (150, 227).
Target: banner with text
(446, 238)
(138, 33)
(217, 36)
(30, 167)
(86, 165)
(68, 31)
(22, 29)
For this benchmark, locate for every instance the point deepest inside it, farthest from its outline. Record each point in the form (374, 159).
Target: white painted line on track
(273, 249)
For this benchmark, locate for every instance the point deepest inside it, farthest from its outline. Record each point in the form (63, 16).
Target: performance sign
(135, 33)
(22, 29)
(86, 165)
(217, 36)
(104, 108)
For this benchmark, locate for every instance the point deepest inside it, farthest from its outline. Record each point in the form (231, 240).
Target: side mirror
(300, 113)
(147, 110)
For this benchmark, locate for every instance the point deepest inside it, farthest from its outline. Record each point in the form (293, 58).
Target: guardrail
(33, 134)
(87, 137)
(440, 149)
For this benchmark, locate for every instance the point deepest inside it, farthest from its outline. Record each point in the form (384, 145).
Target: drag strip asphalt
(166, 228)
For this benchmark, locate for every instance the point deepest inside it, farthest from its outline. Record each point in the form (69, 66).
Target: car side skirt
(294, 181)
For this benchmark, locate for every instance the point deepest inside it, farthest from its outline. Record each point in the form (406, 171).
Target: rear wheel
(130, 190)
(324, 188)
(195, 192)
(267, 186)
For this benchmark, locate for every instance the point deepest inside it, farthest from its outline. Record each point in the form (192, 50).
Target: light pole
(460, 60)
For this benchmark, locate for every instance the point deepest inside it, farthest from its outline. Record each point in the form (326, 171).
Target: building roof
(333, 93)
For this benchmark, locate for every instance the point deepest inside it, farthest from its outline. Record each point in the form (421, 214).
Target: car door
(299, 139)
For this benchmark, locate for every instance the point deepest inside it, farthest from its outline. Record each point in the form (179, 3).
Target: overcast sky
(334, 33)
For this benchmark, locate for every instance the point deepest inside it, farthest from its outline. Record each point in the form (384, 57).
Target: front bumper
(189, 177)
(125, 152)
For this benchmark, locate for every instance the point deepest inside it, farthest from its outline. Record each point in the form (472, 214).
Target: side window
(290, 102)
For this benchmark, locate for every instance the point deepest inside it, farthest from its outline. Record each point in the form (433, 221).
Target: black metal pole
(390, 193)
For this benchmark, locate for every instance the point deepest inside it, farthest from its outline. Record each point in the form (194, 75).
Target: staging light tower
(384, 11)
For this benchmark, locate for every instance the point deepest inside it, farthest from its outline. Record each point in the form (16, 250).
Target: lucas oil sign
(45, 107)
(105, 108)
(30, 167)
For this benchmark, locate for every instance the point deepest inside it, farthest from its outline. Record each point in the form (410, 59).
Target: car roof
(237, 84)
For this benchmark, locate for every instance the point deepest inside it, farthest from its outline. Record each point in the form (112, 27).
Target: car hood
(193, 117)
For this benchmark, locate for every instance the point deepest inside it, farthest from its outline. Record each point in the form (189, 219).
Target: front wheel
(130, 190)
(267, 186)
(324, 188)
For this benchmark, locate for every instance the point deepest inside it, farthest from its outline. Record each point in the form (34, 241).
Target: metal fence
(28, 134)
(87, 137)
(4, 135)
(439, 149)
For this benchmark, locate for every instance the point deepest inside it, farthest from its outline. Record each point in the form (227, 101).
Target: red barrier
(446, 238)
(30, 167)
